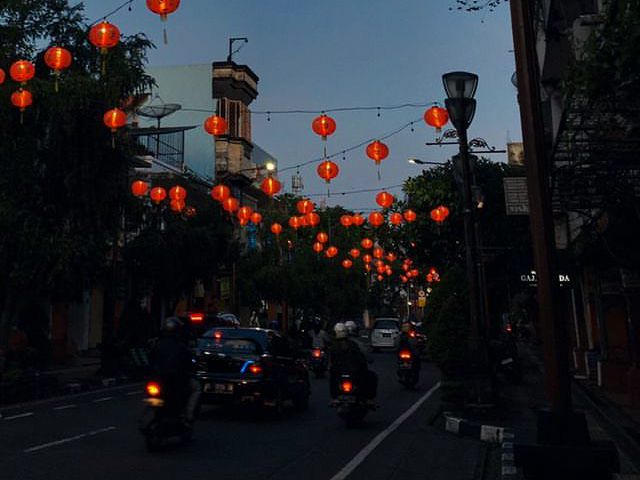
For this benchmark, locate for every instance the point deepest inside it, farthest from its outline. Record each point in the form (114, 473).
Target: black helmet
(171, 326)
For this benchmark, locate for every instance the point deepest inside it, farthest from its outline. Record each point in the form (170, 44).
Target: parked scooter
(163, 418)
(350, 404)
(318, 362)
(408, 368)
(504, 356)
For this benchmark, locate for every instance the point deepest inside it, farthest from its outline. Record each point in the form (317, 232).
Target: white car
(385, 333)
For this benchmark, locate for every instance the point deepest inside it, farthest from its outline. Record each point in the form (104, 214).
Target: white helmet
(351, 327)
(340, 330)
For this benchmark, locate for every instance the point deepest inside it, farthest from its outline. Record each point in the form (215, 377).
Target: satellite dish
(159, 111)
(514, 79)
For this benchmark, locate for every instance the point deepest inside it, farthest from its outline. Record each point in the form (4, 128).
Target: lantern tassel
(113, 141)
(21, 116)
(164, 36)
(103, 68)
(379, 176)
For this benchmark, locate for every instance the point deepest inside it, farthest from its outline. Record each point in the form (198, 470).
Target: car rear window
(229, 345)
(387, 324)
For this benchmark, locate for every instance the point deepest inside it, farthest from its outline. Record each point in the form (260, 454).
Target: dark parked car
(251, 366)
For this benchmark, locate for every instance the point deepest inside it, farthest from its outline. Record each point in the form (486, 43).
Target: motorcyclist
(172, 362)
(409, 342)
(319, 337)
(347, 356)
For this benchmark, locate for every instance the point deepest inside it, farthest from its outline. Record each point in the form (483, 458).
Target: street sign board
(516, 195)
(422, 302)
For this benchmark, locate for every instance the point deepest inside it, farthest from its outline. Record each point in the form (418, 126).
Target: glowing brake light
(217, 335)
(405, 355)
(509, 328)
(412, 334)
(196, 317)
(153, 389)
(255, 369)
(346, 386)
(317, 352)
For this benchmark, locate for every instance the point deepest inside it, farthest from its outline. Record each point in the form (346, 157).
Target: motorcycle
(318, 362)
(163, 418)
(408, 369)
(420, 340)
(504, 356)
(351, 406)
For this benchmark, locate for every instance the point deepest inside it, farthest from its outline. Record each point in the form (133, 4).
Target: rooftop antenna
(244, 40)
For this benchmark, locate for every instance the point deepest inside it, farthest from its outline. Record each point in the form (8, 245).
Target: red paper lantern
(318, 247)
(378, 252)
(177, 193)
(2, 76)
(115, 119)
(439, 214)
(157, 194)
(220, 193)
(295, 222)
(366, 243)
(391, 257)
(354, 252)
(404, 279)
(58, 58)
(271, 186)
(322, 237)
(230, 204)
(437, 117)
(381, 269)
(380, 278)
(376, 219)
(346, 220)
(256, 218)
(276, 228)
(410, 216)
(332, 252)
(305, 206)
(346, 263)
(328, 170)
(429, 277)
(366, 258)
(377, 151)
(177, 205)
(415, 272)
(215, 125)
(245, 213)
(22, 71)
(21, 99)
(104, 35)
(385, 199)
(139, 188)
(396, 218)
(358, 220)
(324, 126)
(312, 219)
(244, 222)
(163, 7)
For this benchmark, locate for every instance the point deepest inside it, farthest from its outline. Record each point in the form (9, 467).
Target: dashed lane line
(66, 407)
(62, 441)
(137, 392)
(20, 415)
(103, 399)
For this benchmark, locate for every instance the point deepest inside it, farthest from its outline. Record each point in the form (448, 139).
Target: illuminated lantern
(406, 267)
(256, 218)
(429, 277)
(318, 247)
(244, 222)
(21, 99)
(2, 76)
(346, 263)
(378, 252)
(410, 216)
(324, 126)
(366, 258)
(433, 271)
(295, 223)
(377, 151)
(389, 271)
(376, 219)
(354, 252)
(391, 257)
(57, 59)
(115, 119)
(139, 188)
(190, 211)
(396, 218)
(346, 220)
(379, 263)
(177, 193)
(439, 214)
(215, 125)
(312, 219)
(328, 170)
(276, 228)
(436, 117)
(415, 273)
(177, 205)
(305, 206)
(230, 204)
(163, 8)
(385, 199)
(22, 71)
(366, 243)
(104, 36)
(358, 220)
(322, 237)
(332, 252)
(404, 279)
(220, 193)
(380, 278)
(157, 194)
(271, 186)
(303, 221)
(244, 213)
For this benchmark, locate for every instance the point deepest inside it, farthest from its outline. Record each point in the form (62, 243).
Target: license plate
(386, 335)
(507, 361)
(219, 388)
(154, 402)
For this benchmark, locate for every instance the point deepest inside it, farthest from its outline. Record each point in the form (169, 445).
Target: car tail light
(153, 389)
(217, 335)
(405, 355)
(196, 317)
(317, 353)
(508, 328)
(255, 369)
(346, 386)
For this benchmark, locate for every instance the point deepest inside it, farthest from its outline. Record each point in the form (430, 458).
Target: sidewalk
(515, 413)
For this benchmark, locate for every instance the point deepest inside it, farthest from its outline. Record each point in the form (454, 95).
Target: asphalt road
(95, 436)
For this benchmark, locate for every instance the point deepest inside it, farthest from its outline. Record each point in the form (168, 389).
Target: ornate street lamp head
(460, 84)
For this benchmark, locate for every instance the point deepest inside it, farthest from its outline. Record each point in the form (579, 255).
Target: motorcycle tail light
(405, 355)
(317, 353)
(255, 369)
(412, 334)
(153, 389)
(346, 386)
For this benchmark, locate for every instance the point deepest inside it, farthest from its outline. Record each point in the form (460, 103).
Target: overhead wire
(113, 12)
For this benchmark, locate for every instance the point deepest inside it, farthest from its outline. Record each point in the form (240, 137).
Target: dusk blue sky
(339, 53)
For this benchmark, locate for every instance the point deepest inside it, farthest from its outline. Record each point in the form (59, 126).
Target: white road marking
(137, 392)
(68, 439)
(21, 415)
(65, 407)
(366, 451)
(103, 399)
